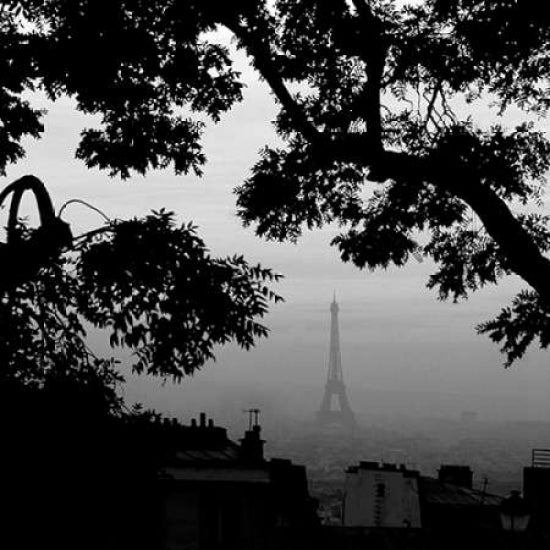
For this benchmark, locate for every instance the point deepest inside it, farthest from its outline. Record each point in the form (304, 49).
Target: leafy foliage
(518, 326)
(153, 286)
(439, 180)
(371, 93)
(165, 296)
(139, 65)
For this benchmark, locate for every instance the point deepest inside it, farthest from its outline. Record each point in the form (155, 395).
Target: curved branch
(515, 243)
(84, 203)
(43, 200)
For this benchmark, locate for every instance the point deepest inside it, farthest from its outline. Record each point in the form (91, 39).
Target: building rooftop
(219, 474)
(202, 444)
(230, 452)
(433, 491)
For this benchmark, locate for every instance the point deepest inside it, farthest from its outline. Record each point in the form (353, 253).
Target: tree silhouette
(371, 96)
(153, 286)
(100, 462)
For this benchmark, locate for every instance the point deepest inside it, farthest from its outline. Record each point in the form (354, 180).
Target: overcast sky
(395, 334)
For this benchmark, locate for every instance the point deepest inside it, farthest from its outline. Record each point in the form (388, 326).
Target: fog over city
(403, 351)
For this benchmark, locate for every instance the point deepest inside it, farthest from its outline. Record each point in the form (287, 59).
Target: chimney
(252, 446)
(456, 475)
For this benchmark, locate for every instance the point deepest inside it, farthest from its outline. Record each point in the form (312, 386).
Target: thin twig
(90, 206)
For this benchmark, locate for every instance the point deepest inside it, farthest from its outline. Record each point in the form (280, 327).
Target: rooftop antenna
(253, 415)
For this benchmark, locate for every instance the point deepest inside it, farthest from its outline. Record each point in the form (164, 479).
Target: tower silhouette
(335, 387)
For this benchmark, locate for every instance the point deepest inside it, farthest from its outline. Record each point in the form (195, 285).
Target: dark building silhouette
(335, 387)
(218, 494)
(536, 487)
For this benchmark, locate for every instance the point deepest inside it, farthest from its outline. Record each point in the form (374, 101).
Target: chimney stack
(252, 446)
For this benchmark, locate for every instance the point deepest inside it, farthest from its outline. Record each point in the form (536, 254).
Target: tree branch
(264, 63)
(515, 243)
(373, 52)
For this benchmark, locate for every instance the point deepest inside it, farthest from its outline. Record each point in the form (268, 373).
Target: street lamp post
(514, 515)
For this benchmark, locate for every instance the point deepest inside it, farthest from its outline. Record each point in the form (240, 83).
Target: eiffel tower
(335, 386)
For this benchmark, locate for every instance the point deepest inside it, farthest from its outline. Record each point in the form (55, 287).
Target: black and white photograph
(275, 274)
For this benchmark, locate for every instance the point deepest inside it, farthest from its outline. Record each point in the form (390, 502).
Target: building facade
(381, 495)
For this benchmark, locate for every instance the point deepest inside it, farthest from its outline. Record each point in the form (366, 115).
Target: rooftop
(433, 491)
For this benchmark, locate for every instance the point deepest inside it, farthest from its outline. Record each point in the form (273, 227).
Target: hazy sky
(395, 334)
